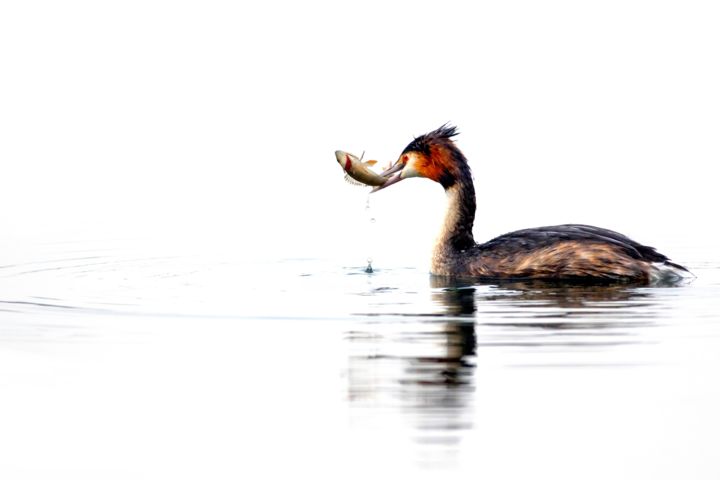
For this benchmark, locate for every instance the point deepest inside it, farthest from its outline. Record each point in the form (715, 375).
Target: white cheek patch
(409, 169)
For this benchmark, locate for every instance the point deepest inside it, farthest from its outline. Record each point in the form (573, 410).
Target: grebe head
(434, 156)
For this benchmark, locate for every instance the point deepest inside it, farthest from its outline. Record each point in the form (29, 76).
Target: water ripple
(419, 349)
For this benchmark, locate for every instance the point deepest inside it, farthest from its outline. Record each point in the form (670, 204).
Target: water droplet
(370, 233)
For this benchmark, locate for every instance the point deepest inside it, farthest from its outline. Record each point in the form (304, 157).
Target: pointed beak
(393, 174)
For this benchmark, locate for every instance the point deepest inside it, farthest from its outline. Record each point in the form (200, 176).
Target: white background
(216, 122)
(212, 125)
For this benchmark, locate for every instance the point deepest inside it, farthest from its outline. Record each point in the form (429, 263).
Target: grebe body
(563, 252)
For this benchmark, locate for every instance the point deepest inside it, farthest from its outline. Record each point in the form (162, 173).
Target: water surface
(127, 362)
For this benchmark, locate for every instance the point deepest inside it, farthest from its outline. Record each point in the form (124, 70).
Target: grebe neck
(456, 233)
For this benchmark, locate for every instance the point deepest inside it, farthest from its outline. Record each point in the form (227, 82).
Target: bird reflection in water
(420, 368)
(418, 371)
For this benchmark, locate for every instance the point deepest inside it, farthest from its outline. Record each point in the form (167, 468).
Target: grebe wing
(534, 238)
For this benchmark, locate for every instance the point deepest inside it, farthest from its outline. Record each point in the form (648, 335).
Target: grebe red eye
(405, 159)
(348, 162)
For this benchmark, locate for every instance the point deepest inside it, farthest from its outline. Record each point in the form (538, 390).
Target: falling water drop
(370, 234)
(369, 268)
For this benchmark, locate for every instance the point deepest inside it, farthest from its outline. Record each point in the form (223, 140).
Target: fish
(357, 171)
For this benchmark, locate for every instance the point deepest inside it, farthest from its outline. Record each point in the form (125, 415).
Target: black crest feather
(422, 143)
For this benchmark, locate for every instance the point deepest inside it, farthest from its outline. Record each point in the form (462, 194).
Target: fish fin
(371, 162)
(352, 181)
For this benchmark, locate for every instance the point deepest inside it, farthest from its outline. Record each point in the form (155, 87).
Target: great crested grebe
(563, 252)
